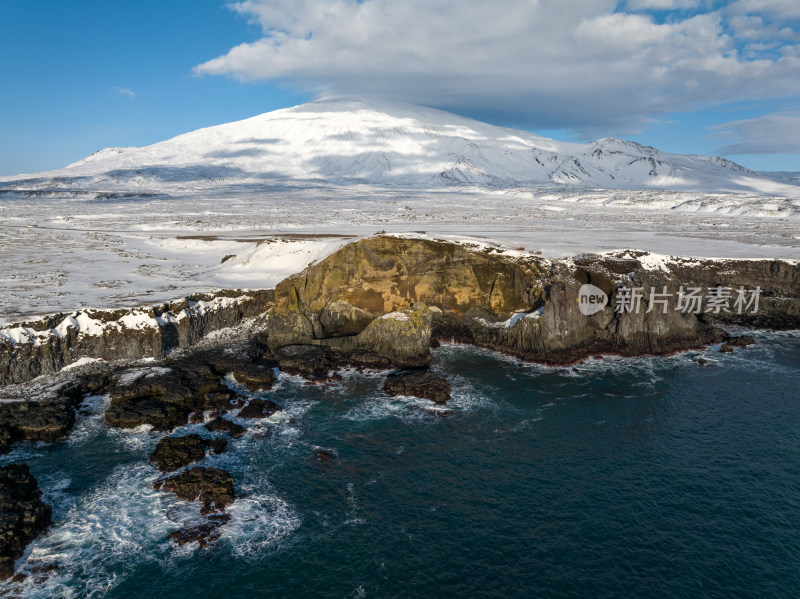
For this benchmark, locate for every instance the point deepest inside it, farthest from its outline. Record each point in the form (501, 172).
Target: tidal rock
(47, 419)
(726, 349)
(254, 377)
(324, 455)
(741, 341)
(427, 385)
(212, 486)
(223, 425)
(34, 421)
(173, 453)
(203, 533)
(164, 398)
(306, 359)
(259, 408)
(23, 515)
(702, 361)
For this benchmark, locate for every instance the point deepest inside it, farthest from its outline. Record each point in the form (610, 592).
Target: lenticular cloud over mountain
(348, 141)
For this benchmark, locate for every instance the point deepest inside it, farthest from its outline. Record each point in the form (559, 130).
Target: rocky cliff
(380, 302)
(520, 304)
(44, 346)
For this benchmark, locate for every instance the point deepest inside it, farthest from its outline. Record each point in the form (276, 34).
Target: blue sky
(688, 76)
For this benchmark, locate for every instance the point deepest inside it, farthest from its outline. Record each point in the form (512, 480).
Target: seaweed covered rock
(173, 453)
(211, 486)
(741, 341)
(427, 385)
(23, 514)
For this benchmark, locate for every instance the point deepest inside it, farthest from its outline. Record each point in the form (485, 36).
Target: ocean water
(646, 477)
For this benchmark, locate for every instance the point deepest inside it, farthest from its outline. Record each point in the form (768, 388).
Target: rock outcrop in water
(173, 453)
(164, 397)
(211, 486)
(427, 385)
(23, 514)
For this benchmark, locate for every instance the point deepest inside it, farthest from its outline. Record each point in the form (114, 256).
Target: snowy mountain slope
(392, 144)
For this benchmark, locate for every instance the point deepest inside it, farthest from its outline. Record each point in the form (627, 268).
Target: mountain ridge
(346, 141)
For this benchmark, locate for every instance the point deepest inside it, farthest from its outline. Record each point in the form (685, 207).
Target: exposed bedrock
(23, 514)
(427, 385)
(165, 397)
(211, 486)
(378, 302)
(173, 453)
(49, 418)
(46, 345)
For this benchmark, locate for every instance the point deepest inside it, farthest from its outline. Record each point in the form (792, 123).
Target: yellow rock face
(387, 274)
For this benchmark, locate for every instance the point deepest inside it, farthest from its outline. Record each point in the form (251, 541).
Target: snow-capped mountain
(393, 144)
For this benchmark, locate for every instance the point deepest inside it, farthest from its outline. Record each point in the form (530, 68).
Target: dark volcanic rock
(726, 349)
(741, 341)
(203, 533)
(23, 515)
(175, 325)
(427, 385)
(306, 359)
(324, 455)
(47, 419)
(173, 453)
(34, 421)
(255, 377)
(164, 399)
(212, 486)
(223, 425)
(259, 408)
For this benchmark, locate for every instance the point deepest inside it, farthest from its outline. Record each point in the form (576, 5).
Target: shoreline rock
(211, 486)
(426, 385)
(46, 345)
(173, 453)
(23, 514)
(384, 301)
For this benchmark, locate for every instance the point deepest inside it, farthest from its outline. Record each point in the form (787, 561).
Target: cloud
(777, 133)
(662, 4)
(126, 91)
(584, 64)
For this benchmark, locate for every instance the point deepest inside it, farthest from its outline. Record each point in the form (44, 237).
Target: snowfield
(389, 144)
(245, 204)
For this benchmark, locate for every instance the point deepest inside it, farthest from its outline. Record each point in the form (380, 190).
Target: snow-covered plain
(245, 204)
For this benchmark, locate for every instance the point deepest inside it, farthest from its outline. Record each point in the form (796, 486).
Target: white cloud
(126, 91)
(777, 133)
(537, 63)
(662, 4)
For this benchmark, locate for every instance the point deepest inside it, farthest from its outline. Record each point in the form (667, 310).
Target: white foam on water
(260, 521)
(135, 439)
(407, 409)
(112, 528)
(90, 420)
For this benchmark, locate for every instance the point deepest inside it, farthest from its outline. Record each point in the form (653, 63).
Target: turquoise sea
(646, 477)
